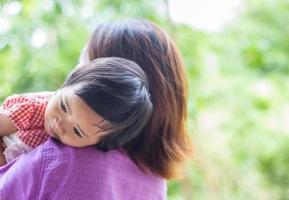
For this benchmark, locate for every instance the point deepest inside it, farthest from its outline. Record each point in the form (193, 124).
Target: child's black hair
(117, 90)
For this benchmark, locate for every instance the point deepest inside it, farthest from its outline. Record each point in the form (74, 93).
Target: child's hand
(2, 157)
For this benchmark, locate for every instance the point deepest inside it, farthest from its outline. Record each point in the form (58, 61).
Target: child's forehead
(85, 116)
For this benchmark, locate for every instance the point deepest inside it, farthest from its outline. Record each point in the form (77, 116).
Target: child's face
(70, 120)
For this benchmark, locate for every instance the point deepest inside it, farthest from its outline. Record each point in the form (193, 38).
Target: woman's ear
(84, 57)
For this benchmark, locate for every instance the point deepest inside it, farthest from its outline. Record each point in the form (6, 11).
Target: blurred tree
(261, 31)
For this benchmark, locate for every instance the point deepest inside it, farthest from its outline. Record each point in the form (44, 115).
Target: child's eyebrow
(69, 110)
(67, 104)
(102, 129)
(99, 123)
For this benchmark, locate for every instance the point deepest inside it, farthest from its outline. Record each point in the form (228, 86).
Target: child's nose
(59, 125)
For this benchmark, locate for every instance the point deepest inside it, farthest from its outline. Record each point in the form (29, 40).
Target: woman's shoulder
(60, 172)
(103, 175)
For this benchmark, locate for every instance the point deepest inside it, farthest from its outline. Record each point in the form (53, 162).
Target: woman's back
(69, 173)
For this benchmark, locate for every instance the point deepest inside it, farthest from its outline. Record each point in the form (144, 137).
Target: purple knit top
(55, 171)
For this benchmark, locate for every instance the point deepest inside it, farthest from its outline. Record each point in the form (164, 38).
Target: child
(104, 103)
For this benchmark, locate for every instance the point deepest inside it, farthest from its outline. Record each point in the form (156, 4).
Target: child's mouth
(50, 130)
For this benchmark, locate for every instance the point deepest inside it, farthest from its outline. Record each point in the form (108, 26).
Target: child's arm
(6, 126)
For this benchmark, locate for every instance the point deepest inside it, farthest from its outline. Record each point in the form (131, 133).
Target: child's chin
(56, 140)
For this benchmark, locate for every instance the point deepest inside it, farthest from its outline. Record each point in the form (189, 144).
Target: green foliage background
(238, 83)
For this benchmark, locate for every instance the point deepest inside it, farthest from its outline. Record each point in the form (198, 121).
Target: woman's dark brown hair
(163, 143)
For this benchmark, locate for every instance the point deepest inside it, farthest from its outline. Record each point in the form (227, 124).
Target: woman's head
(105, 101)
(163, 142)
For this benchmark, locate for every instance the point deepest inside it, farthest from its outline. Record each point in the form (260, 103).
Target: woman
(139, 169)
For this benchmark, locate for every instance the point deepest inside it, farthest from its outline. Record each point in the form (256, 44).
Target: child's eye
(62, 106)
(77, 132)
